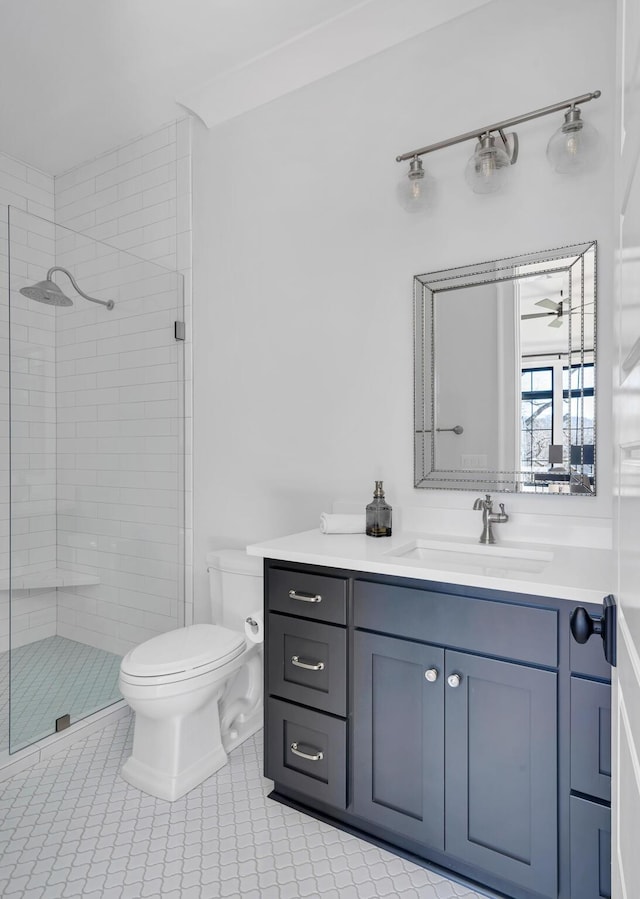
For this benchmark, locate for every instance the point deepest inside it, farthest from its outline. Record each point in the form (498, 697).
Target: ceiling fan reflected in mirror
(557, 311)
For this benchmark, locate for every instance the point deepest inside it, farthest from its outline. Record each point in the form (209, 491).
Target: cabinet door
(501, 769)
(590, 850)
(591, 738)
(398, 744)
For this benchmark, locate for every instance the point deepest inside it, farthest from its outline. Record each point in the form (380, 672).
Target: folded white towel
(342, 524)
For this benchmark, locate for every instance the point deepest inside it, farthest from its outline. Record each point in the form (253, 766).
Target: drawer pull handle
(454, 680)
(308, 666)
(317, 756)
(305, 597)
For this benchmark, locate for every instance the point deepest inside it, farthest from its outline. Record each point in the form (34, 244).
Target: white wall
(460, 351)
(303, 261)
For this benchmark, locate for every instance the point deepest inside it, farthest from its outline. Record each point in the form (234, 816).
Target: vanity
(428, 695)
(443, 696)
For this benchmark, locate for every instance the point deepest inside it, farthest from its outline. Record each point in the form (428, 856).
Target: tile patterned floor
(50, 678)
(70, 826)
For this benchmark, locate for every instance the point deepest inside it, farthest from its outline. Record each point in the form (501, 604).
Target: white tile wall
(120, 400)
(29, 194)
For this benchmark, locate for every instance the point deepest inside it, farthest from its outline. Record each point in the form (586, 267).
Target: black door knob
(583, 625)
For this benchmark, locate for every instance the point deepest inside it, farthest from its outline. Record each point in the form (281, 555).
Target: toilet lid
(183, 650)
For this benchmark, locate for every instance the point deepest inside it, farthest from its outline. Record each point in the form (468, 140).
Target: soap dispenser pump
(378, 523)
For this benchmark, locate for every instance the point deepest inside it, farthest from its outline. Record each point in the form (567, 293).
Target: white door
(626, 387)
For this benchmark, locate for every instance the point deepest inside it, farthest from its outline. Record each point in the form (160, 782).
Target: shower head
(48, 292)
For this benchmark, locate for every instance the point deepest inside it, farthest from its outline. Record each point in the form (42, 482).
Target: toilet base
(237, 735)
(184, 728)
(161, 785)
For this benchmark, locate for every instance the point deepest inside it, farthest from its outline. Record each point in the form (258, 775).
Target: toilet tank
(235, 586)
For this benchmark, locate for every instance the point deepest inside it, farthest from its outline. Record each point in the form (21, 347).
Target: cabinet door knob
(454, 680)
(431, 674)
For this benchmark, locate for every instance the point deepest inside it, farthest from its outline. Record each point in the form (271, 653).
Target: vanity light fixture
(413, 191)
(575, 145)
(488, 168)
(573, 148)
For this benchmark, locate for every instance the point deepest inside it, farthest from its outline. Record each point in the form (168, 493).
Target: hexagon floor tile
(70, 826)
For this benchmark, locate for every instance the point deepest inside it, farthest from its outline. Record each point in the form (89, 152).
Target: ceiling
(81, 77)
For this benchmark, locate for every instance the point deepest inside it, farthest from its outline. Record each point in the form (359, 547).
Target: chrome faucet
(489, 517)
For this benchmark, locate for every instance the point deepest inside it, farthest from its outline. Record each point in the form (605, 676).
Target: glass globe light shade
(575, 146)
(413, 188)
(488, 169)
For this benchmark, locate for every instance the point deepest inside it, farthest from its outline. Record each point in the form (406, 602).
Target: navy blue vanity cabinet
(501, 780)
(442, 735)
(398, 736)
(590, 811)
(306, 683)
(463, 726)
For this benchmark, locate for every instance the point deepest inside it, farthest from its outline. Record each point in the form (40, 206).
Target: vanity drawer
(308, 663)
(317, 596)
(591, 738)
(307, 751)
(503, 629)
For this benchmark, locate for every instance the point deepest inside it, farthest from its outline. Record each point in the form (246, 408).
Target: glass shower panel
(97, 469)
(4, 483)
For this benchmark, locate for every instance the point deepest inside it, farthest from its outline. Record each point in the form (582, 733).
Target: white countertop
(575, 574)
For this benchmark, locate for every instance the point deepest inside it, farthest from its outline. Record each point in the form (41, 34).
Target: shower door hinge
(179, 330)
(62, 723)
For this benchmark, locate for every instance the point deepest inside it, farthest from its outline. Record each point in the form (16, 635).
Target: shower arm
(57, 268)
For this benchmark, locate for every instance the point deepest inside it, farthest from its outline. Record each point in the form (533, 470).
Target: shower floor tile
(51, 678)
(72, 827)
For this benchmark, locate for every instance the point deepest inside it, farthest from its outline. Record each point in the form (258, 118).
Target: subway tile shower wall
(132, 197)
(32, 480)
(97, 407)
(120, 401)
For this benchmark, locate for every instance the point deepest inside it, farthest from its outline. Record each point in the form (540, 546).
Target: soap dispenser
(378, 514)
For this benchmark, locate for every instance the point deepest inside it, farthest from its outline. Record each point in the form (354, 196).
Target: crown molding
(360, 32)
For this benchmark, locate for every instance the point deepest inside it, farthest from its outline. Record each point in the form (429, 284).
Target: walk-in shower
(94, 434)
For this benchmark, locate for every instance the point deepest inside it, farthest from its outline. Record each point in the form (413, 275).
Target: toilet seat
(181, 654)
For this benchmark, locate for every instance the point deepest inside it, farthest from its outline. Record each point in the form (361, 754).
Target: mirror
(505, 374)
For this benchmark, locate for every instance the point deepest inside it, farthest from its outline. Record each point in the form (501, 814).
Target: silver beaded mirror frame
(505, 374)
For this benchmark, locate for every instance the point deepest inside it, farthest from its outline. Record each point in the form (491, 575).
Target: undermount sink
(463, 554)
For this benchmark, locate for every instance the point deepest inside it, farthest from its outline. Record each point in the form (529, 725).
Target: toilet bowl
(196, 691)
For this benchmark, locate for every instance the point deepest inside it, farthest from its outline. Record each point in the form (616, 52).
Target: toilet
(197, 692)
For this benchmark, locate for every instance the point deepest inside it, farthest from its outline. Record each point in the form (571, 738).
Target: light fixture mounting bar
(501, 126)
